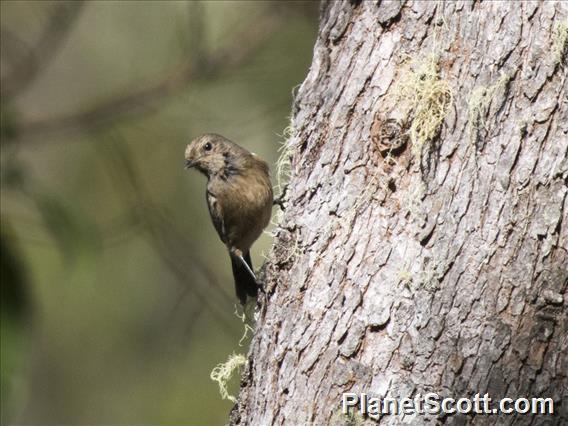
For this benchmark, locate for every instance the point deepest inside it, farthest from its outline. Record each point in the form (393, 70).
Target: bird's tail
(245, 285)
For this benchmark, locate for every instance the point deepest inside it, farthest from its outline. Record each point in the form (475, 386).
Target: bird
(239, 197)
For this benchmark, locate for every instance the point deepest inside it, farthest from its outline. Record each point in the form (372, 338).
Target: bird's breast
(245, 203)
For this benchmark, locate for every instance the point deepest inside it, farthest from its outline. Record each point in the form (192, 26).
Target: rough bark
(441, 268)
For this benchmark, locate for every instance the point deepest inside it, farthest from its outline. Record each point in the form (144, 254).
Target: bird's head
(207, 153)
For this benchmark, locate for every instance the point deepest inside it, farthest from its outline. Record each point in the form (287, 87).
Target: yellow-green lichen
(428, 98)
(351, 418)
(426, 279)
(246, 318)
(404, 276)
(362, 200)
(284, 162)
(560, 44)
(223, 373)
(283, 171)
(479, 102)
(412, 201)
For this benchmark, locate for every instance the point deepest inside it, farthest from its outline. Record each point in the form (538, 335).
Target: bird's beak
(189, 164)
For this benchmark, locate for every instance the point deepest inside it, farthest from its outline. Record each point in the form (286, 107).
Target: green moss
(8, 122)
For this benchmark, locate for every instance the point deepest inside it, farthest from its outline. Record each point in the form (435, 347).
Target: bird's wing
(216, 216)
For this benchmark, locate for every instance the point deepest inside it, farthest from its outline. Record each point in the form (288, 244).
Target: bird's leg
(279, 201)
(250, 271)
(239, 254)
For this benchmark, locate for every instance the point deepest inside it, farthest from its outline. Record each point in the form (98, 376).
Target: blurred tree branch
(174, 250)
(27, 67)
(196, 46)
(241, 46)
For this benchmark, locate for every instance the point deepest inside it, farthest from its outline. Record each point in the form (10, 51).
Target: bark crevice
(395, 274)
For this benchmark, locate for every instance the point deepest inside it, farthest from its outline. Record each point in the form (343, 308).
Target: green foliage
(70, 228)
(15, 315)
(8, 121)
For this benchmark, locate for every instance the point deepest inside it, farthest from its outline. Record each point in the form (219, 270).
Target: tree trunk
(423, 246)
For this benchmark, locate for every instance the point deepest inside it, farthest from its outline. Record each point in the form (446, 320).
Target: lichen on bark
(394, 276)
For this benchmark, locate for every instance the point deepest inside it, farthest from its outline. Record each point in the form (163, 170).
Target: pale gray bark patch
(392, 277)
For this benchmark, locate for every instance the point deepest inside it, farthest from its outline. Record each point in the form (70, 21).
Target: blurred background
(117, 296)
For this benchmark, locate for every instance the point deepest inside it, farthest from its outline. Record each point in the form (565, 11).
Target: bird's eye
(207, 146)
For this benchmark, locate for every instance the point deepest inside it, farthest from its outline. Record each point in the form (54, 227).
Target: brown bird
(239, 197)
